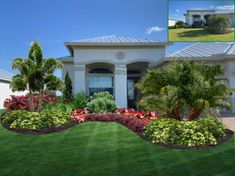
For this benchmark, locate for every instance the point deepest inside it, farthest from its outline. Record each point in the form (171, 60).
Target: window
(100, 80)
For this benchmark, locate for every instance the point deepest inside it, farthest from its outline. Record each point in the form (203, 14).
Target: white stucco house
(202, 15)
(116, 63)
(5, 91)
(111, 63)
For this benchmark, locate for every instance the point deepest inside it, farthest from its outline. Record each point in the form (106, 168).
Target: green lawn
(96, 148)
(197, 34)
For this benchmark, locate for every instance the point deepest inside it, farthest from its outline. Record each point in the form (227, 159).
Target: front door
(132, 92)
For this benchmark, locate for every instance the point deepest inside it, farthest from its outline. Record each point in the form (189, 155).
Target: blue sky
(52, 22)
(178, 7)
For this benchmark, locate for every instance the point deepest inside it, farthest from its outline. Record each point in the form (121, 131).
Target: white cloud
(225, 8)
(153, 29)
(177, 10)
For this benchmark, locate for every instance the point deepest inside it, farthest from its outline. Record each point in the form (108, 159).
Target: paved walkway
(229, 120)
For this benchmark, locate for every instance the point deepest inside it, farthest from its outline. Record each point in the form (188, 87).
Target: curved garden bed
(135, 123)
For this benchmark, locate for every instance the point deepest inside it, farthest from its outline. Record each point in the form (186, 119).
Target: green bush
(59, 107)
(101, 102)
(213, 125)
(218, 24)
(188, 133)
(35, 120)
(103, 94)
(80, 100)
(179, 24)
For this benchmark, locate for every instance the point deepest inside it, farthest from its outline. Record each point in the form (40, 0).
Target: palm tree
(184, 85)
(36, 74)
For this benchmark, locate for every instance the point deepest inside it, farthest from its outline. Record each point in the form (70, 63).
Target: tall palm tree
(36, 74)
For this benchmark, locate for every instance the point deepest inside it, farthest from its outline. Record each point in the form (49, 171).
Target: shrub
(139, 114)
(80, 100)
(101, 102)
(101, 105)
(103, 94)
(188, 133)
(135, 123)
(58, 107)
(67, 91)
(35, 120)
(213, 125)
(179, 24)
(23, 102)
(218, 24)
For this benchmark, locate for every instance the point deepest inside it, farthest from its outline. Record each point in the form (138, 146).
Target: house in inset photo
(209, 21)
(201, 16)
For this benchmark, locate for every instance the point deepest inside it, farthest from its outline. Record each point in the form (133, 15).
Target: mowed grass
(99, 148)
(197, 34)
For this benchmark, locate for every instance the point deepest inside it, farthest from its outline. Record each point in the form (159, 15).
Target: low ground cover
(197, 34)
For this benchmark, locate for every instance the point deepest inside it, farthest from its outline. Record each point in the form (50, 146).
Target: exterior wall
(231, 19)
(117, 55)
(230, 74)
(70, 68)
(6, 92)
(189, 16)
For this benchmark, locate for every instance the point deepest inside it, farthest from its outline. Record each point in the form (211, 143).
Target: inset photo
(202, 21)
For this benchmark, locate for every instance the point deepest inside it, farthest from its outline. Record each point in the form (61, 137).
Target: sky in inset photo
(178, 8)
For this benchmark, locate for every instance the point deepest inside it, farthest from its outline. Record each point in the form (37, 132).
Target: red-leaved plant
(23, 102)
(135, 120)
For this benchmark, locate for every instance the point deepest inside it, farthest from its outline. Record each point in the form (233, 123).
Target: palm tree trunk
(194, 113)
(31, 103)
(40, 101)
(176, 113)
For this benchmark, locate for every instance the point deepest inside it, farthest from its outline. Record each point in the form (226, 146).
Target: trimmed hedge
(205, 131)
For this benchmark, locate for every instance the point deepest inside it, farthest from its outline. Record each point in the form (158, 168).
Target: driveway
(229, 121)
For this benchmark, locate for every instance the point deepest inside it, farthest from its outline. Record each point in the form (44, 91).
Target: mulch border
(228, 135)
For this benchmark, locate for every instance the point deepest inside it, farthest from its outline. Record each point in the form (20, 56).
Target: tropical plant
(218, 24)
(36, 75)
(101, 102)
(23, 102)
(80, 100)
(67, 91)
(58, 107)
(184, 85)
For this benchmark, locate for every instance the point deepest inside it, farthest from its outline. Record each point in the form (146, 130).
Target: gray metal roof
(5, 75)
(205, 50)
(115, 39)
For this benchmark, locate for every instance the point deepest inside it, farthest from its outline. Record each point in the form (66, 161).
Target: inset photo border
(201, 21)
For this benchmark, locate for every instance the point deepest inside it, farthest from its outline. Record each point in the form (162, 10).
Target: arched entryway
(134, 73)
